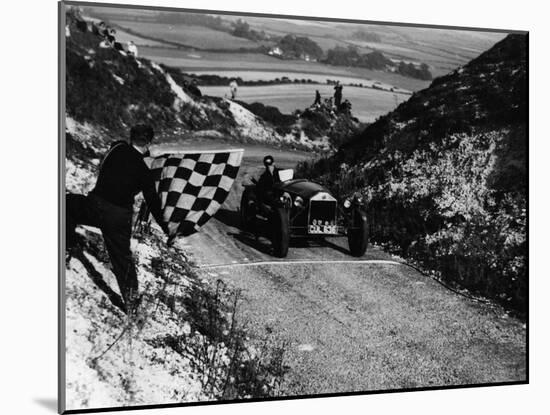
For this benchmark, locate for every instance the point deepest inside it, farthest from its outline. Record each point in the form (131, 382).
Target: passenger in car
(268, 178)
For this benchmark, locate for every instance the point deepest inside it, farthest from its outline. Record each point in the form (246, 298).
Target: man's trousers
(115, 224)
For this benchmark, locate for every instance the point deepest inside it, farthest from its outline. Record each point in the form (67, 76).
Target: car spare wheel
(280, 236)
(358, 233)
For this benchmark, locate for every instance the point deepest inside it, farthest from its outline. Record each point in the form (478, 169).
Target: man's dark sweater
(122, 175)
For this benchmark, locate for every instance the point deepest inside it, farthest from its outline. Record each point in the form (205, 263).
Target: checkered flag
(193, 186)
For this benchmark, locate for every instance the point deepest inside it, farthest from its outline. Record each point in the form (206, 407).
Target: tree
(366, 36)
(297, 47)
(409, 69)
(241, 29)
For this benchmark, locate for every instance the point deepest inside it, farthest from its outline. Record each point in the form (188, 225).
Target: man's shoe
(132, 301)
(70, 253)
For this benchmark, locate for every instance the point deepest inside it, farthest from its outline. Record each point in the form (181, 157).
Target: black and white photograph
(265, 207)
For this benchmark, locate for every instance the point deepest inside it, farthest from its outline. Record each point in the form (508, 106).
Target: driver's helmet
(268, 161)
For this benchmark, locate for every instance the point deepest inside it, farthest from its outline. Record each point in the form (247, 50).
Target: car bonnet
(301, 187)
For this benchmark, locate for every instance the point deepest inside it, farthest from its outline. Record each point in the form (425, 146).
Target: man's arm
(276, 177)
(262, 183)
(151, 196)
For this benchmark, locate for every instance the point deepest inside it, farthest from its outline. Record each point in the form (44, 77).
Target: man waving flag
(192, 186)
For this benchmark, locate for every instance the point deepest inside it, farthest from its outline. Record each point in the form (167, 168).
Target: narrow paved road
(354, 324)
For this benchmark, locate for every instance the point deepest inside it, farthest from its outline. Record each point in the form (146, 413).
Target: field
(367, 104)
(221, 63)
(442, 49)
(123, 37)
(302, 77)
(193, 36)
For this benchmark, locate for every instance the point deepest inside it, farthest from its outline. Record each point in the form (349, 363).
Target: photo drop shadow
(49, 403)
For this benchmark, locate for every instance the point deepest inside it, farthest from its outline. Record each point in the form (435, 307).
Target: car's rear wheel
(280, 232)
(358, 233)
(248, 210)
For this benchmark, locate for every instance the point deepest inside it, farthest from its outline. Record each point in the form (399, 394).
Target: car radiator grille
(322, 217)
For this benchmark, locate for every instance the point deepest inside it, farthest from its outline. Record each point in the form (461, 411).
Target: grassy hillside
(197, 37)
(445, 175)
(115, 91)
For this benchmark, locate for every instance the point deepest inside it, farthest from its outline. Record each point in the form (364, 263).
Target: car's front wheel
(280, 232)
(248, 210)
(358, 233)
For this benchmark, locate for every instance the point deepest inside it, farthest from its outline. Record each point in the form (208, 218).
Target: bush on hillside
(350, 56)
(242, 29)
(411, 70)
(107, 88)
(315, 123)
(282, 122)
(366, 36)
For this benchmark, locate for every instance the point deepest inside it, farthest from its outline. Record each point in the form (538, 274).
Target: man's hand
(164, 227)
(171, 240)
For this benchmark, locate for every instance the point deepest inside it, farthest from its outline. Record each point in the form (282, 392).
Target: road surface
(354, 324)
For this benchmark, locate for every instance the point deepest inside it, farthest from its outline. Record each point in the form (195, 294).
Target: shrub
(282, 122)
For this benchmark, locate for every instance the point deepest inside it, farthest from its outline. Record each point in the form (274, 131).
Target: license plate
(322, 229)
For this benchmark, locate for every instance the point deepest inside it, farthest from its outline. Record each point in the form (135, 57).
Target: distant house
(132, 48)
(276, 51)
(284, 54)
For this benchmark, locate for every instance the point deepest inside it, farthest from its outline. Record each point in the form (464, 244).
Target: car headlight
(298, 201)
(347, 203)
(286, 200)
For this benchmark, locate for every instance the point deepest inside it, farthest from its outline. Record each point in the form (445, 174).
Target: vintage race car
(298, 208)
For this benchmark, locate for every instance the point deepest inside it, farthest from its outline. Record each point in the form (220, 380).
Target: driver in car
(266, 181)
